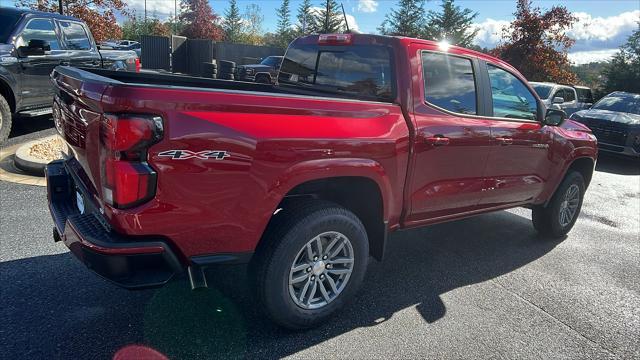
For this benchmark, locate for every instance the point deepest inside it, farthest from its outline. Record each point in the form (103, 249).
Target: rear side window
(584, 95)
(361, 71)
(74, 36)
(449, 82)
(511, 98)
(39, 29)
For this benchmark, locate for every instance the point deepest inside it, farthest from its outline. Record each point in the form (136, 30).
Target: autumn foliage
(200, 21)
(97, 14)
(536, 43)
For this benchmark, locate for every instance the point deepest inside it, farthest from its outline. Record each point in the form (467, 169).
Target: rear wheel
(5, 119)
(558, 217)
(313, 261)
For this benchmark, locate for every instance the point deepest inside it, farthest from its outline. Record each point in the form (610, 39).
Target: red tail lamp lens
(127, 179)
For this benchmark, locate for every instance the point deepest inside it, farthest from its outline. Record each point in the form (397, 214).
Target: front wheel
(313, 261)
(5, 119)
(558, 217)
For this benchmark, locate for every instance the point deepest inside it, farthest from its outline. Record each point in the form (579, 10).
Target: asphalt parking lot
(485, 287)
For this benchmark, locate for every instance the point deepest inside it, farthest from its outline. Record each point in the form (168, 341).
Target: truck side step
(36, 112)
(197, 278)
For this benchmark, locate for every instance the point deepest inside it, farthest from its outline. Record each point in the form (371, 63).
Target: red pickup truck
(363, 135)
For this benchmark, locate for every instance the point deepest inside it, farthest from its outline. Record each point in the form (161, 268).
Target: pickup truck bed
(363, 135)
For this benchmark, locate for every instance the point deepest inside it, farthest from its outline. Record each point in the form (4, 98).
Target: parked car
(615, 121)
(130, 45)
(32, 44)
(266, 72)
(364, 135)
(562, 97)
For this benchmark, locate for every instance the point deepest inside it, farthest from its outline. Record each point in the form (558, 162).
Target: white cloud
(585, 57)
(161, 9)
(598, 28)
(367, 6)
(597, 38)
(490, 32)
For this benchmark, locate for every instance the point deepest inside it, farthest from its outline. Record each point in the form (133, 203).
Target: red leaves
(97, 14)
(536, 43)
(201, 21)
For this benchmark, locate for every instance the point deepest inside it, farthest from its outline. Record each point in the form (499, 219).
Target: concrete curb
(30, 164)
(9, 173)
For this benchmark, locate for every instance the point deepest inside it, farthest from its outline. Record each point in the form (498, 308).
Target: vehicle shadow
(79, 316)
(617, 164)
(26, 125)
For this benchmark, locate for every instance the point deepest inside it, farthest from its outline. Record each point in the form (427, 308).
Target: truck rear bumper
(129, 262)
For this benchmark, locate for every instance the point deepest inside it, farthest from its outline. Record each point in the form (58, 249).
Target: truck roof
(27, 12)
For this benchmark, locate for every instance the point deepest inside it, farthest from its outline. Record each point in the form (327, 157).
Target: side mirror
(34, 48)
(554, 117)
(558, 100)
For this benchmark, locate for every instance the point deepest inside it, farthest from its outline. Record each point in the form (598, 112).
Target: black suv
(32, 44)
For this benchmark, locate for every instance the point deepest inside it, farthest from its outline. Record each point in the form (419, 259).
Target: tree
(328, 19)
(305, 19)
(407, 20)
(536, 43)
(134, 27)
(452, 24)
(252, 30)
(233, 23)
(99, 15)
(623, 71)
(200, 22)
(284, 32)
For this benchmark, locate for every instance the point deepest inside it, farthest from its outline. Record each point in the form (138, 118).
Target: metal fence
(155, 52)
(181, 55)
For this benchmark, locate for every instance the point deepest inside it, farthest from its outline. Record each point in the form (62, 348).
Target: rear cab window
(449, 82)
(361, 71)
(74, 35)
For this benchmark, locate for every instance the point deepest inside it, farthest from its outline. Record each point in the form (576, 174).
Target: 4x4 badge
(187, 154)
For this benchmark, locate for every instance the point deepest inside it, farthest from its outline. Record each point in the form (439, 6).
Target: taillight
(138, 65)
(127, 179)
(335, 39)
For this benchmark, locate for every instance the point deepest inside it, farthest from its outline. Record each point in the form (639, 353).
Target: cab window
(449, 82)
(74, 36)
(511, 98)
(39, 29)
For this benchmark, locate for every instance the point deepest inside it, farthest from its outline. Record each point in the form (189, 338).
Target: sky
(602, 27)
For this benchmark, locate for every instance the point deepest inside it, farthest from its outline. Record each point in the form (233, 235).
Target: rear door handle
(505, 140)
(438, 140)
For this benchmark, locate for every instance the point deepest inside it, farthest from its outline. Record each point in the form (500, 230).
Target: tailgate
(77, 113)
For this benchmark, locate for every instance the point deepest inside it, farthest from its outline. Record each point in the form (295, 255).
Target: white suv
(556, 96)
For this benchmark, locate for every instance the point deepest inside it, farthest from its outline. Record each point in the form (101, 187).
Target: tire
(549, 220)
(5, 119)
(263, 79)
(284, 245)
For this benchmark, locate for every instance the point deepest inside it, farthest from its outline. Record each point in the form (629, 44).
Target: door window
(39, 29)
(449, 82)
(511, 98)
(569, 95)
(74, 36)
